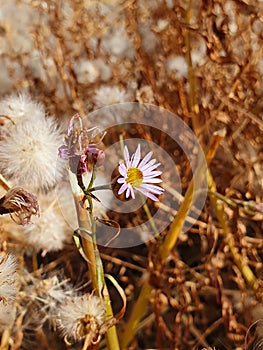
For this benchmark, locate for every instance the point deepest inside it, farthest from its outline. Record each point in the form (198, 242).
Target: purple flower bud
(91, 157)
(72, 123)
(64, 152)
(100, 158)
(80, 146)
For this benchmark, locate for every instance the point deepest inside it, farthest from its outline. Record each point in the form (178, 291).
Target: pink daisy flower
(140, 175)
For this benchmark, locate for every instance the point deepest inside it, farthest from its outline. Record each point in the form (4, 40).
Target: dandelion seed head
(28, 154)
(118, 44)
(48, 232)
(86, 72)
(46, 294)
(80, 315)
(109, 95)
(8, 266)
(105, 72)
(177, 66)
(7, 315)
(21, 107)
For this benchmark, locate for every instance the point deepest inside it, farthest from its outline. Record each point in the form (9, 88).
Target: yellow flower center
(134, 177)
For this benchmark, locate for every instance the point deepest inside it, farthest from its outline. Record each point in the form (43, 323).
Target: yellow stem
(34, 262)
(5, 339)
(4, 183)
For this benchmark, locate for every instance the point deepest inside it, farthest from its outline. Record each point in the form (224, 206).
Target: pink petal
(126, 156)
(151, 173)
(122, 169)
(148, 194)
(123, 188)
(145, 160)
(151, 180)
(153, 188)
(136, 157)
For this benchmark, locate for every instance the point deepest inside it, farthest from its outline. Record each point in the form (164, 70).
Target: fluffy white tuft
(177, 65)
(7, 315)
(7, 278)
(21, 107)
(28, 154)
(109, 95)
(77, 311)
(47, 232)
(86, 71)
(118, 44)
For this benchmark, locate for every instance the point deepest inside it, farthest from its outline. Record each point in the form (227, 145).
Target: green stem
(87, 223)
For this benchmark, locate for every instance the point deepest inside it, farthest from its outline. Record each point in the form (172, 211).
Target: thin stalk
(5, 339)
(149, 215)
(171, 238)
(4, 183)
(34, 262)
(194, 107)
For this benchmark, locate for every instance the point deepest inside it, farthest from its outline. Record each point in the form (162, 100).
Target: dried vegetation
(201, 60)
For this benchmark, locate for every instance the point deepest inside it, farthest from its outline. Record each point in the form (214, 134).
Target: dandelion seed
(81, 316)
(139, 175)
(20, 204)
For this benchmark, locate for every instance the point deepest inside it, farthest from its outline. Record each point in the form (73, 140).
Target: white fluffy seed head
(109, 95)
(46, 233)
(79, 316)
(21, 107)
(86, 71)
(28, 154)
(7, 315)
(177, 66)
(49, 230)
(8, 267)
